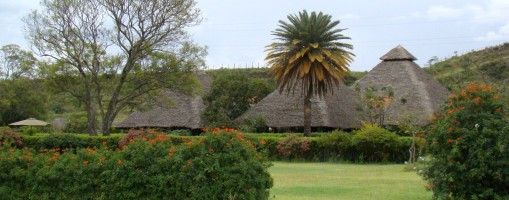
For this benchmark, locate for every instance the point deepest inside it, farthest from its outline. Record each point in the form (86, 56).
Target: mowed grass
(345, 181)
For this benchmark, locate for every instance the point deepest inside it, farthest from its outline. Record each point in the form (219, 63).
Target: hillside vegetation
(487, 66)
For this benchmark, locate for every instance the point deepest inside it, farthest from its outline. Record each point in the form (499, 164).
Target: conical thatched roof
(417, 95)
(185, 113)
(287, 111)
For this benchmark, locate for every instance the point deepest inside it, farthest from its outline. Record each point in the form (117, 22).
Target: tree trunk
(307, 113)
(89, 106)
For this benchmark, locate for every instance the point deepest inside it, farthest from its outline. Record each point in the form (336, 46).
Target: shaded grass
(345, 181)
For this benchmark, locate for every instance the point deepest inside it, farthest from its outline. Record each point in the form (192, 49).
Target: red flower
(85, 162)
(189, 163)
(451, 140)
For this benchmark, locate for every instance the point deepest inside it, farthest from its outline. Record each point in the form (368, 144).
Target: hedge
(222, 166)
(335, 146)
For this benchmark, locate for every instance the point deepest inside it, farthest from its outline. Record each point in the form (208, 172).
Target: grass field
(345, 181)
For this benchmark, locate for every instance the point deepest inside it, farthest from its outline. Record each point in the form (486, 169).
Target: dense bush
(468, 142)
(61, 141)
(336, 146)
(220, 165)
(375, 144)
(293, 147)
(10, 138)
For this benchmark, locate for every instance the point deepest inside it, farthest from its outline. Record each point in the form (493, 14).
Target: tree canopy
(111, 54)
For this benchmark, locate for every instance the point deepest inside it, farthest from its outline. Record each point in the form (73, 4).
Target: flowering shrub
(10, 138)
(221, 165)
(293, 147)
(468, 141)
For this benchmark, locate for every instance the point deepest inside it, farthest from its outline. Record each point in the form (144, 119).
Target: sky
(236, 32)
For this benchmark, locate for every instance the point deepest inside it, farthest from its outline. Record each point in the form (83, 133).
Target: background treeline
(29, 87)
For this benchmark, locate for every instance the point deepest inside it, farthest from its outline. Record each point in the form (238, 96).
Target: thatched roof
(398, 53)
(417, 95)
(287, 111)
(185, 113)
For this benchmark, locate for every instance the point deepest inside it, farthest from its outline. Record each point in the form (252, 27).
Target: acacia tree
(109, 53)
(16, 62)
(309, 54)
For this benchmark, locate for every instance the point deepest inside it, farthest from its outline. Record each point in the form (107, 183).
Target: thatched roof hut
(417, 95)
(184, 113)
(282, 110)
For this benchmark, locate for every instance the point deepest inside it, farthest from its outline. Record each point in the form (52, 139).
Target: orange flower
(498, 109)
(85, 162)
(263, 142)
(171, 149)
(152, 141)
(451, 140)
(102, 159)
(476, 100)
(119, 162)
(131, 140)
(189, 143)
(89, 150)
(104, 142)
(189, 163)
(463, 93)
(171, 154)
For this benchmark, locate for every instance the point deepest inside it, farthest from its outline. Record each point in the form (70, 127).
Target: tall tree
(115, 51)
(309, 55)
(16, 62)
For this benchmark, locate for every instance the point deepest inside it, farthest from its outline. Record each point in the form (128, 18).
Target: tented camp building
(184, 111)
(286, 110)
(415, 94)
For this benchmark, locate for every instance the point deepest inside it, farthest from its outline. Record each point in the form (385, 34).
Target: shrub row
(224, 165)
(370, 144)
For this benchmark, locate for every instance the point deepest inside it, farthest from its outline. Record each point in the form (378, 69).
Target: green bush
(61, 141)
(468, 141)
(224, 165)
(77, 123)
(375, 144)
(336, 146)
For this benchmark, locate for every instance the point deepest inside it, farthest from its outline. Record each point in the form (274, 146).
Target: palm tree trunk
(307, 113)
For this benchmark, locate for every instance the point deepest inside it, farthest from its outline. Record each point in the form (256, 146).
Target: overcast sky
(237, 31)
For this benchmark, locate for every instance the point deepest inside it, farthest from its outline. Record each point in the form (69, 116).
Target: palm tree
(308, 54)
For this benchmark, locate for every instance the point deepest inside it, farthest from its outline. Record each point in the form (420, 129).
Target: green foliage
(375, 144)
(231, 95)
(10, 138)
(254, 124)
(76, 123)
(61, 141)
(488, 66)
(224, 165)
(21, 99)
(337, 146)
(468, 141)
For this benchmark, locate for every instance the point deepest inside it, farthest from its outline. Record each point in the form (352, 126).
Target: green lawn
(345, 181)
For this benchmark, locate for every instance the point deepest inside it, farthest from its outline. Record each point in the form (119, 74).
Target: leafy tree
(21, 99)
(309, 55)
(16, 62)
(111, 54)
(21, 94)
(231, 95)
(468, 142)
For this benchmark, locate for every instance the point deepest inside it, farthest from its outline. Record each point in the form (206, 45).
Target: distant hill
(264, 73)
(488, 66)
